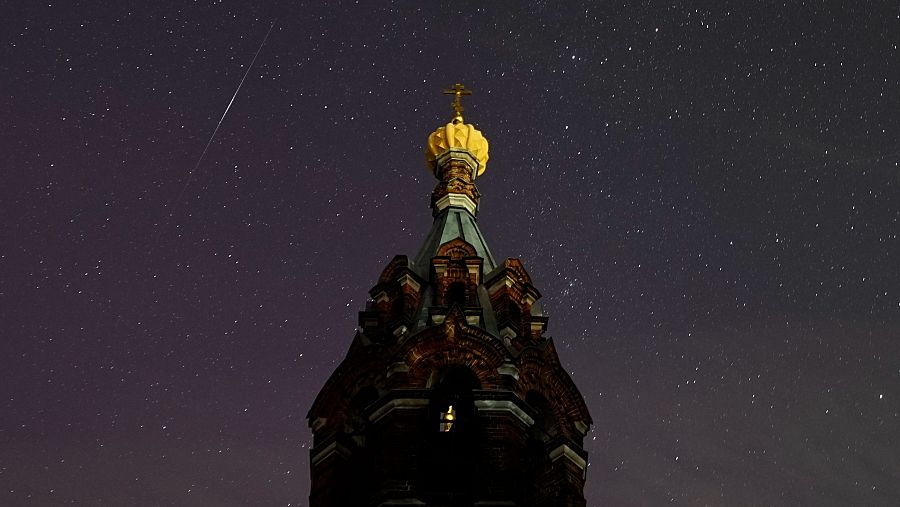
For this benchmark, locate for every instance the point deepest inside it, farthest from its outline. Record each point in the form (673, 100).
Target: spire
(456, 154)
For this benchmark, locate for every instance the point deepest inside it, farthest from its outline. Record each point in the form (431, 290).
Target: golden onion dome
(459, 136)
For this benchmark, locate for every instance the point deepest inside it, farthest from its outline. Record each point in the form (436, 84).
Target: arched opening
(455, 295)
(454, 429)
(452, 397)
(402, 308)
(514, 316)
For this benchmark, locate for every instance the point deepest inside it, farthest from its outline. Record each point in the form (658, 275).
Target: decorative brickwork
(457, 176)
(450, 393)
(376, 421)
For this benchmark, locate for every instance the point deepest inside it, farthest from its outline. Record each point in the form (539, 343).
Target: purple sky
(707, 197)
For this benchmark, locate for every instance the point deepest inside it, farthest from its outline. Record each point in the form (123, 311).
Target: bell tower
(450, 393)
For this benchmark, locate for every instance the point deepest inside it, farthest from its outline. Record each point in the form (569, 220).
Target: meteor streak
(227, 108)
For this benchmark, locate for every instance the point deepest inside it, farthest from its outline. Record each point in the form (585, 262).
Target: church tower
(450, 393)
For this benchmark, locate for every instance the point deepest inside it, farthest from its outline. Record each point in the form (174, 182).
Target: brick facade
(451, 330)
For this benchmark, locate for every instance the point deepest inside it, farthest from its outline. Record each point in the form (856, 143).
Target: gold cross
(457, 91)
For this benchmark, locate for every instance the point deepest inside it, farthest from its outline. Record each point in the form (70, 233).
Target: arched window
(456, 295)
(453, 452)
(402, 307)
(453, 399)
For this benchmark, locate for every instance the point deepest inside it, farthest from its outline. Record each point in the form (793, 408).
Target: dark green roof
(453, 222)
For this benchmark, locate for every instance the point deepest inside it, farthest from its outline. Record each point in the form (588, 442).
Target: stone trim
(328, 450)
(582, 427)
(507, 333)
(504, 406)
(407, 279)
(505, 281)
(459, 200)
(399, 403)
(462, 154)
(398, 367)
(317, 423)
(509, 369)
(564, 451)
(401, 501)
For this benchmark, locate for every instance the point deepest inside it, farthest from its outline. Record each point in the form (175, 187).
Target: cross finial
(457, 91)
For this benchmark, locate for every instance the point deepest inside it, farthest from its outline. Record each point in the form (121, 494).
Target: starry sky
(706, 193)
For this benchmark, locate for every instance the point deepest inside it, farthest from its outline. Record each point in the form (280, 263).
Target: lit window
(447, 419)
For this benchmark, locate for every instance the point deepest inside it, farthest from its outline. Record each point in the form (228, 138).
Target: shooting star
(227, 108)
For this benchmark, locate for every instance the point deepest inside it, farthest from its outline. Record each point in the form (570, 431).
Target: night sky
(707, 197)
